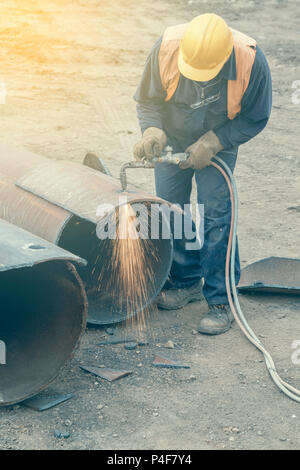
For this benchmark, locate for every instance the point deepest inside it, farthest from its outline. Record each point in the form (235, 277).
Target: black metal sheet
(274, 274)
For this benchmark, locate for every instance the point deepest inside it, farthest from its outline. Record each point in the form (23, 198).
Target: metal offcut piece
(274, 274)
(166, 363)
(43, 403)
(116, 341)
(108, 374)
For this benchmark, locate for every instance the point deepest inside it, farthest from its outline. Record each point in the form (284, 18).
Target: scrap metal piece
(160, 361)
(93, 161)
(43, 312)
(42, 403)
(108, 374)
(115, 341)
(274, 274)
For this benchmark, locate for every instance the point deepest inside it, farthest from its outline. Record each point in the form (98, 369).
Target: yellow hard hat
(205, 47)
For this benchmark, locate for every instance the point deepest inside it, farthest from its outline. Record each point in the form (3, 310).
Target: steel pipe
(43, 310)
(59, 201)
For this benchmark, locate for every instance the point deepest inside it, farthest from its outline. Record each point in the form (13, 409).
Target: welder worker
(206, 89)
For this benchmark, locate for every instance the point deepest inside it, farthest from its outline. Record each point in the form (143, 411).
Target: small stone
(194, 332)
(130, 346)
(110, 330)
(231, 438)
(99, 407)
(192, 377)
(259, 433)
(68, 422)
(115, 435)
(61, 435)
(140, 365)
(155, 414)
(231, 429)
(169, 345)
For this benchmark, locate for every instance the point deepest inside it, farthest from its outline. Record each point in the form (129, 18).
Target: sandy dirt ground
(70, 69)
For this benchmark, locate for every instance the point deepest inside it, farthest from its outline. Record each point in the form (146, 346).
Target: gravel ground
(71, 68)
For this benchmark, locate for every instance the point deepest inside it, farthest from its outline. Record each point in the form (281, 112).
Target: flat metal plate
(42, 403)
(166, 363)
(19, 249)
(274, 274)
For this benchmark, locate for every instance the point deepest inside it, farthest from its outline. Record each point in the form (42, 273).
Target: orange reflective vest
(244, 48)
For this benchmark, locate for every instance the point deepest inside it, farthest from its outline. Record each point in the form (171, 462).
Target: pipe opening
(41, 319)
(123, 276)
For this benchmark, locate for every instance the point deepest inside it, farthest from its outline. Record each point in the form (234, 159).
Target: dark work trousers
(208, 261)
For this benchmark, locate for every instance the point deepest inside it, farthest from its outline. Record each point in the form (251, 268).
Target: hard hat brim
(200, 75)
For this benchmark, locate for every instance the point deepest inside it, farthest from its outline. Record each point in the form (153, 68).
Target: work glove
(151, 145)
(202, 151)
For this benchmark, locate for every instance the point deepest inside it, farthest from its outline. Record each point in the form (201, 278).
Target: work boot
(172, 299)
(216, 321)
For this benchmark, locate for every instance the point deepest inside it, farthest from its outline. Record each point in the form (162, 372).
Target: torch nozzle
(167, 157)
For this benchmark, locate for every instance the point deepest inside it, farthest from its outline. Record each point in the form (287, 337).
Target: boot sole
(215, 332)
(196, 298)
